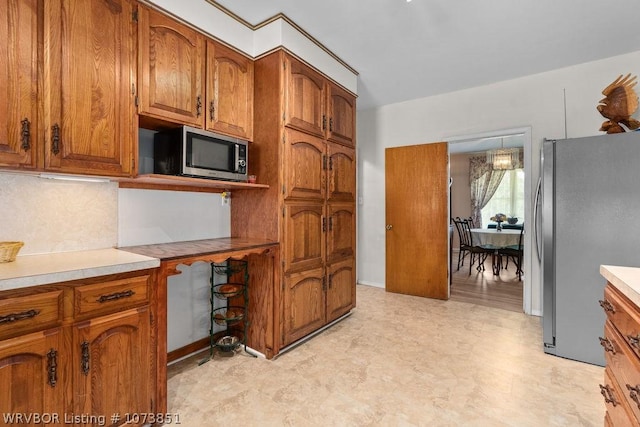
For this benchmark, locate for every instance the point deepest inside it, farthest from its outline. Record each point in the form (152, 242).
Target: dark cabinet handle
(116, 296)
(634, 341)
(198, 106)
(14, 317)
(212, 110)
(324, 224)
(52, 367)
(607, 306)
(607, 344)
(607, 392)
(324, 122)
(84, 361)
(331, 124)
(25, 134)
(633, 393)
(55, 139)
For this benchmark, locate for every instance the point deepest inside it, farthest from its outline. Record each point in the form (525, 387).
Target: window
(508, 199)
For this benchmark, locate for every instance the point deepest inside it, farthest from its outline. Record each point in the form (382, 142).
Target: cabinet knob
(389, 227)
(607, 344)
(25, 134)
(634, 393)
(52, 367)
(55, 139)
(607, 306)
(607, 392)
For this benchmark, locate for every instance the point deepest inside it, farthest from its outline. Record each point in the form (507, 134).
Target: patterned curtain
(484, 182)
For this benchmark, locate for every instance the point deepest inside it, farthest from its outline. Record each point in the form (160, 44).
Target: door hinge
(330, 163)
(324, 122)
(283, 212)
(283, 189)
(284, 65)
(324, 224)
(324, 283)
(133, 88)
(324, 162)
(134, 15)
(136, 101)
(133, 165)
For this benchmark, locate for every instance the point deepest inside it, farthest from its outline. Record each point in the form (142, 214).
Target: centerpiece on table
(499, 218)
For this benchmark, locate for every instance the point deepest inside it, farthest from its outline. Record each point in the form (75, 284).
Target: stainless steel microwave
(189, 151)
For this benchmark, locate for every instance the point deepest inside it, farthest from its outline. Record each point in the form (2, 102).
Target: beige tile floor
(397, 361)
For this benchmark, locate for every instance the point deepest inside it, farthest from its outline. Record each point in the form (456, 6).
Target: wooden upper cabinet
(89, 75)
(19, 117)
(341, 231)
(304, 236)
(341, 180)
(342, 112)
(171, 69)
(304, 166)
(305, 98)
(229, 92)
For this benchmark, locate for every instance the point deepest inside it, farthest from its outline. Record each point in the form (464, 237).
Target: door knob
(389, 227)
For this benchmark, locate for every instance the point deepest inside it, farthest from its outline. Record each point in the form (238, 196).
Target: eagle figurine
(619, 103)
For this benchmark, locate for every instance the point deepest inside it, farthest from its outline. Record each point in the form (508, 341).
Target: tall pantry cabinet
(304, 148)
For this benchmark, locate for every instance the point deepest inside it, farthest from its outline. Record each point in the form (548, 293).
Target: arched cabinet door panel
(341, 292)
(304, 166)
(304, 304)
(304, 234)
(305, 98)
(110, 351)
(171, 69)
(342, 116)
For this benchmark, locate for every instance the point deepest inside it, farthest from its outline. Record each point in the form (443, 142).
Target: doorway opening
(483, 287)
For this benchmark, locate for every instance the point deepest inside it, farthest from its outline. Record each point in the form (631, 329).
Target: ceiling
(407, 50)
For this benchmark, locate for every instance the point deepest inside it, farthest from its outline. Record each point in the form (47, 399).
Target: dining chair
(464, 243)
(477, 252)
(515, 252)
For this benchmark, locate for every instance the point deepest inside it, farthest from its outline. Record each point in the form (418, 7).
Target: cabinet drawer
(624, 316)
(107, 297)
(624, 366)
(22, 312)
(617, 408)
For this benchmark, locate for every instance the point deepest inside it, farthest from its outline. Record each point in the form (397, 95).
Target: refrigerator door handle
(536, 219)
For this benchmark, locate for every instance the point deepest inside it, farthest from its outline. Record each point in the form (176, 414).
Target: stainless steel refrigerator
(589, 215)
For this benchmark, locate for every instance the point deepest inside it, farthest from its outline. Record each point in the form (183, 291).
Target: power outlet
(225, 198)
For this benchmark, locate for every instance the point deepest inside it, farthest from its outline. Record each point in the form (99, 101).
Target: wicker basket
(9, 250)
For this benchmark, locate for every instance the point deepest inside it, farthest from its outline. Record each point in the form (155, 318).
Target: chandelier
(503, 158)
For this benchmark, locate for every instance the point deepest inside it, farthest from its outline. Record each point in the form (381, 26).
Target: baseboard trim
(187, 350)
(312, 334)
(374, 284)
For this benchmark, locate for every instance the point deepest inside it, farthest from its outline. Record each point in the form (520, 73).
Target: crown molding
(286, 19)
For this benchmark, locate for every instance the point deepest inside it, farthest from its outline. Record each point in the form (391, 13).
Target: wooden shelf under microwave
(183, 183)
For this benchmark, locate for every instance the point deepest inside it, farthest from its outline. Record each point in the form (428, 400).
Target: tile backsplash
(57, 216)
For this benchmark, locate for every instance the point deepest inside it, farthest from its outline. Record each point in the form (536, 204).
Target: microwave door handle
(237, 158)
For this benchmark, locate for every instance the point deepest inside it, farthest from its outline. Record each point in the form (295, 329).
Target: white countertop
(32, 270)
(625, 279)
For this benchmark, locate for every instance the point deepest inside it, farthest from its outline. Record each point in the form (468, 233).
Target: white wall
(536, 101)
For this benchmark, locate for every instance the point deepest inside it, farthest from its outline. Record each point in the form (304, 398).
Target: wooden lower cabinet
(341, 293)
(75, 361)
(111, 364)
(304, 304)
(621, 343)
(34, 373)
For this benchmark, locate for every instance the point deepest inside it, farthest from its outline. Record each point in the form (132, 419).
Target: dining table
(492, 238)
